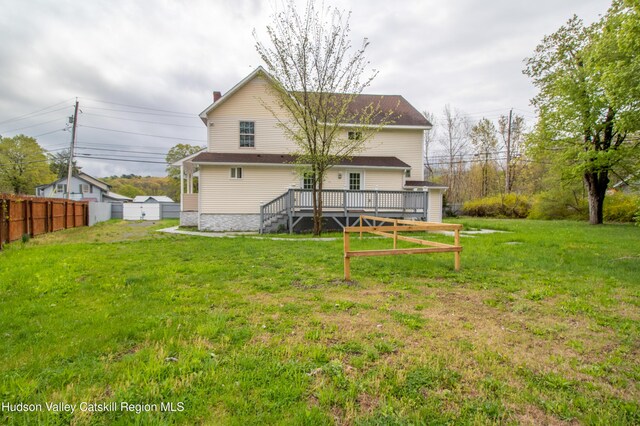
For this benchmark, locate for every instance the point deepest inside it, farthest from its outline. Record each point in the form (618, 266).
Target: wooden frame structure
(391, 231)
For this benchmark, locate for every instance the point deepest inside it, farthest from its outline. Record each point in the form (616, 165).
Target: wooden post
(395, 234)
(457, 253)
(2, 221)
(360, 226)
(347, 260)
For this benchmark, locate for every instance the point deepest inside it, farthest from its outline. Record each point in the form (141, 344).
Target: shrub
(559, 204)
(509, 205)
(619, 207)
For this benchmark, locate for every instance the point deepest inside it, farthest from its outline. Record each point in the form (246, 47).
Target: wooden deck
(342, 206)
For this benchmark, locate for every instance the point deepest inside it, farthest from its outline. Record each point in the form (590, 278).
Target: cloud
(170, 55)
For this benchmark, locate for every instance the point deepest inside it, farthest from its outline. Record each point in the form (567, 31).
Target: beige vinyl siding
(406, 145)
(261, 184)
(248, 104)
(435, 205)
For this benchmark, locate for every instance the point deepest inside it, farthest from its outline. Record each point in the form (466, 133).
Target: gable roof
(83, 177)
(405, 114)
(158, 198)
(287, 159)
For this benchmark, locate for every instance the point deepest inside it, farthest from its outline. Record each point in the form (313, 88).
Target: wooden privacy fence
(20, 215)
(392, 231)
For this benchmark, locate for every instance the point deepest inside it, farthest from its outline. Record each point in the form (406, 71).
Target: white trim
(388, 126)
(187, 158)
(342, 167)
(347, 181)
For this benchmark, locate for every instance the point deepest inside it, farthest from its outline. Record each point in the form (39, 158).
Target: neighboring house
(152, 199)
(248, 181)
(83, 187)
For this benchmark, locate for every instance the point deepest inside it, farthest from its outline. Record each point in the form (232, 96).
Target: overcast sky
(143, 70)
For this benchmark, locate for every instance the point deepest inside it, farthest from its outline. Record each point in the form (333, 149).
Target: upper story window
(247, 134)
(407, 173)
(355, 136)
(84, 188)
(61, 188)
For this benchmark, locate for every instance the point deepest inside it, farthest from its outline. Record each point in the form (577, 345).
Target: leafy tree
(588, 80)
(176, 153)
(317, 77)
(23, 165)
(59, 164)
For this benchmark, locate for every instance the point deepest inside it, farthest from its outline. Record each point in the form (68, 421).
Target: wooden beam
(347, 261)
(401, 228)
(390, 252)
(456, 241)
(413, 240)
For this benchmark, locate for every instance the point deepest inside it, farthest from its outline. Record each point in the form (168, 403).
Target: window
(84, 188)
(355, 136)
(236, 173)
(247, 134)
(407, 173)
(61, 188)
(354, 181)
(307, 181)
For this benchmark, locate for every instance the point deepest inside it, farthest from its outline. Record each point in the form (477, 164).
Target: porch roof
(423, 183)
(288, 159)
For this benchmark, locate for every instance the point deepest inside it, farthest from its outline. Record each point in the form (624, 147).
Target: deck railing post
(375, 202)
(426, 205)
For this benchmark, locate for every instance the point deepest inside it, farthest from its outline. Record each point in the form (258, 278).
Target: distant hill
(132, 185)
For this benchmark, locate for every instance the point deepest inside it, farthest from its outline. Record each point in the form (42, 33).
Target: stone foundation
(229, 222)
(188, 218)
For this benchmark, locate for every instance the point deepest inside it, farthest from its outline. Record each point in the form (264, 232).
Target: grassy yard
(541, 326)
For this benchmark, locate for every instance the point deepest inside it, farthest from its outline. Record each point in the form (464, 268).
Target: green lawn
(541, 326)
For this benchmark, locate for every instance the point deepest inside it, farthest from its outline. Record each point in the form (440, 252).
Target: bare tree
(512, 131)
(485, 143)
(428, 139)
(318, 77)
(454, 139)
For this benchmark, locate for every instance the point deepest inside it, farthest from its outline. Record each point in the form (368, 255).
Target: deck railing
(294, 201)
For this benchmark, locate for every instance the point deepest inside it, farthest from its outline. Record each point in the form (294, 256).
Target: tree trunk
(317, 209)
(597, 189)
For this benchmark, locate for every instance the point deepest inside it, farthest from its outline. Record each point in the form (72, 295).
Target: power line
(122, 150)
(48, 133)
(33, 125)
(144, 121)
(141, 112)
(118, 159)
(143, 134)
(142, 107)
(22, 117)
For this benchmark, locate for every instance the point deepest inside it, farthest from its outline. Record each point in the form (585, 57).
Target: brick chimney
(216, 95)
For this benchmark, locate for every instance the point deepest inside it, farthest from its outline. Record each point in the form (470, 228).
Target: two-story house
(247, 179)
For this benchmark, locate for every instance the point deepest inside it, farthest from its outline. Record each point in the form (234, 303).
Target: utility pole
(73, 143)
(507, 175)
